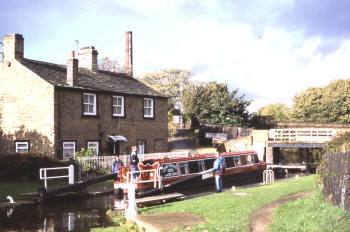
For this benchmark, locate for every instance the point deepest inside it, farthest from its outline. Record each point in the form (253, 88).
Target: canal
(63, 215)
(77, 214)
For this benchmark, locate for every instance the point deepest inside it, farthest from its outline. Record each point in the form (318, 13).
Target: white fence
(45, 177)
(301, 135)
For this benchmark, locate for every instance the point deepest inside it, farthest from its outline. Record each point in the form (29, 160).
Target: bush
(26, 166)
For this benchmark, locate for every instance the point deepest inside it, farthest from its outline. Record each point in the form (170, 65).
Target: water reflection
(119, 203)
(65, 215)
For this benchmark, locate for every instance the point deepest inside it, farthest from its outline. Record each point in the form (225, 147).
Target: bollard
(132, 207)
(71, 174)
(268, 176)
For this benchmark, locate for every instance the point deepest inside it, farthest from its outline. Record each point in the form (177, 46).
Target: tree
(280, 111)
(107, 64)
(169, 82)
(213, 103)
(323, 104)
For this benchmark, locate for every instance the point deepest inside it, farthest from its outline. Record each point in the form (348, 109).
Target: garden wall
(336, 181)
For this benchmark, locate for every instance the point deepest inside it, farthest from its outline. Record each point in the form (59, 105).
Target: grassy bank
(228, 212)
(310, 214)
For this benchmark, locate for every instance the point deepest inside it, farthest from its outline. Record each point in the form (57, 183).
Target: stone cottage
(59, 109)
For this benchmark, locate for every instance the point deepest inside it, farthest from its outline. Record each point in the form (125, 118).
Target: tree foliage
(213, 103)
(279, 110)
(107, 64)
(169, 82)
(323, 104)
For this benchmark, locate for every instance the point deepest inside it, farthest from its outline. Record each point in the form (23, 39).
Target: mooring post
(268, 176)
(132, 207)
(71, 174)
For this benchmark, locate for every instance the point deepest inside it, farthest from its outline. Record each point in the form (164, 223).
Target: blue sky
(268, 49)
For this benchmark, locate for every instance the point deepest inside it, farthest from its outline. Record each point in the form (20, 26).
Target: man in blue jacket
(218, 169)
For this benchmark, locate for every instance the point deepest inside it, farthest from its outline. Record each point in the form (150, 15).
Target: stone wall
(336, 181)
(26, 109)
(72, 125)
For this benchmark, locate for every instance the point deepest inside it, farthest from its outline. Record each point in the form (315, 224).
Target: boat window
(229, 162)
(250, 159)
(183, 167)
(170, 170)
(237, 161)
(208, 163)
(244, 159)
(193, 167)
(201, 165)
(255, 158)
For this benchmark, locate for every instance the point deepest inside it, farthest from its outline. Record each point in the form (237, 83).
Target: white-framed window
(68, 150)
(148, 107)
(118, 106)
(22, 146)
(89, 103)
(94, 146)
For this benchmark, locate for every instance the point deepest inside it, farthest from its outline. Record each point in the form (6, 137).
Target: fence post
(71, 174)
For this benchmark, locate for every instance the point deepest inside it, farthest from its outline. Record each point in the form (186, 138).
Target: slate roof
(103, 81)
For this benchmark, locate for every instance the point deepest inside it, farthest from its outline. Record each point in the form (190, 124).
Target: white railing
(133, 181)
(301, 135)
(70, 176)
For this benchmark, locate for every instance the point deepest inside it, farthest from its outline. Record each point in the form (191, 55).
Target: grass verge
(228, 212)
(310, 214)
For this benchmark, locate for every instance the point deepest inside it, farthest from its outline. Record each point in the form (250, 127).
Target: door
(141, 147)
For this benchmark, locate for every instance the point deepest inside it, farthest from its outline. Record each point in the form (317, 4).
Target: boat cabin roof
(202, 156)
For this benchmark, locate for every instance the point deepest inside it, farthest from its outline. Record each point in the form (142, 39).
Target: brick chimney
(128, 53)
(12, 47)
(88, 58)
(72, 70)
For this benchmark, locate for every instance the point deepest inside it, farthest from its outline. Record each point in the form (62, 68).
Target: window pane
(229, 162)
(183, 168)
(91, 109)
(193, 167)
(86, 98)
(209, 163)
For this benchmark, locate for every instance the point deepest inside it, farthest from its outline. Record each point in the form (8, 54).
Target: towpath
(261, 219)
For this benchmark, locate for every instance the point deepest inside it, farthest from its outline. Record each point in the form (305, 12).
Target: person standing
(117, 164)
(218, 169)
(134, 160)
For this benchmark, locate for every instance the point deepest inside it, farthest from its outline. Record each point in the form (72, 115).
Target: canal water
(63, 215)
(76, 214)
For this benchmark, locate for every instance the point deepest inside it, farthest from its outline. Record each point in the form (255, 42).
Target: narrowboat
(163, 174)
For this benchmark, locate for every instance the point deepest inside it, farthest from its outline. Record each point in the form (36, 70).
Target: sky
(270, 50)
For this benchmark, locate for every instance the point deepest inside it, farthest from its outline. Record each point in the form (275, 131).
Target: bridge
(270, 142)
(301, 135)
